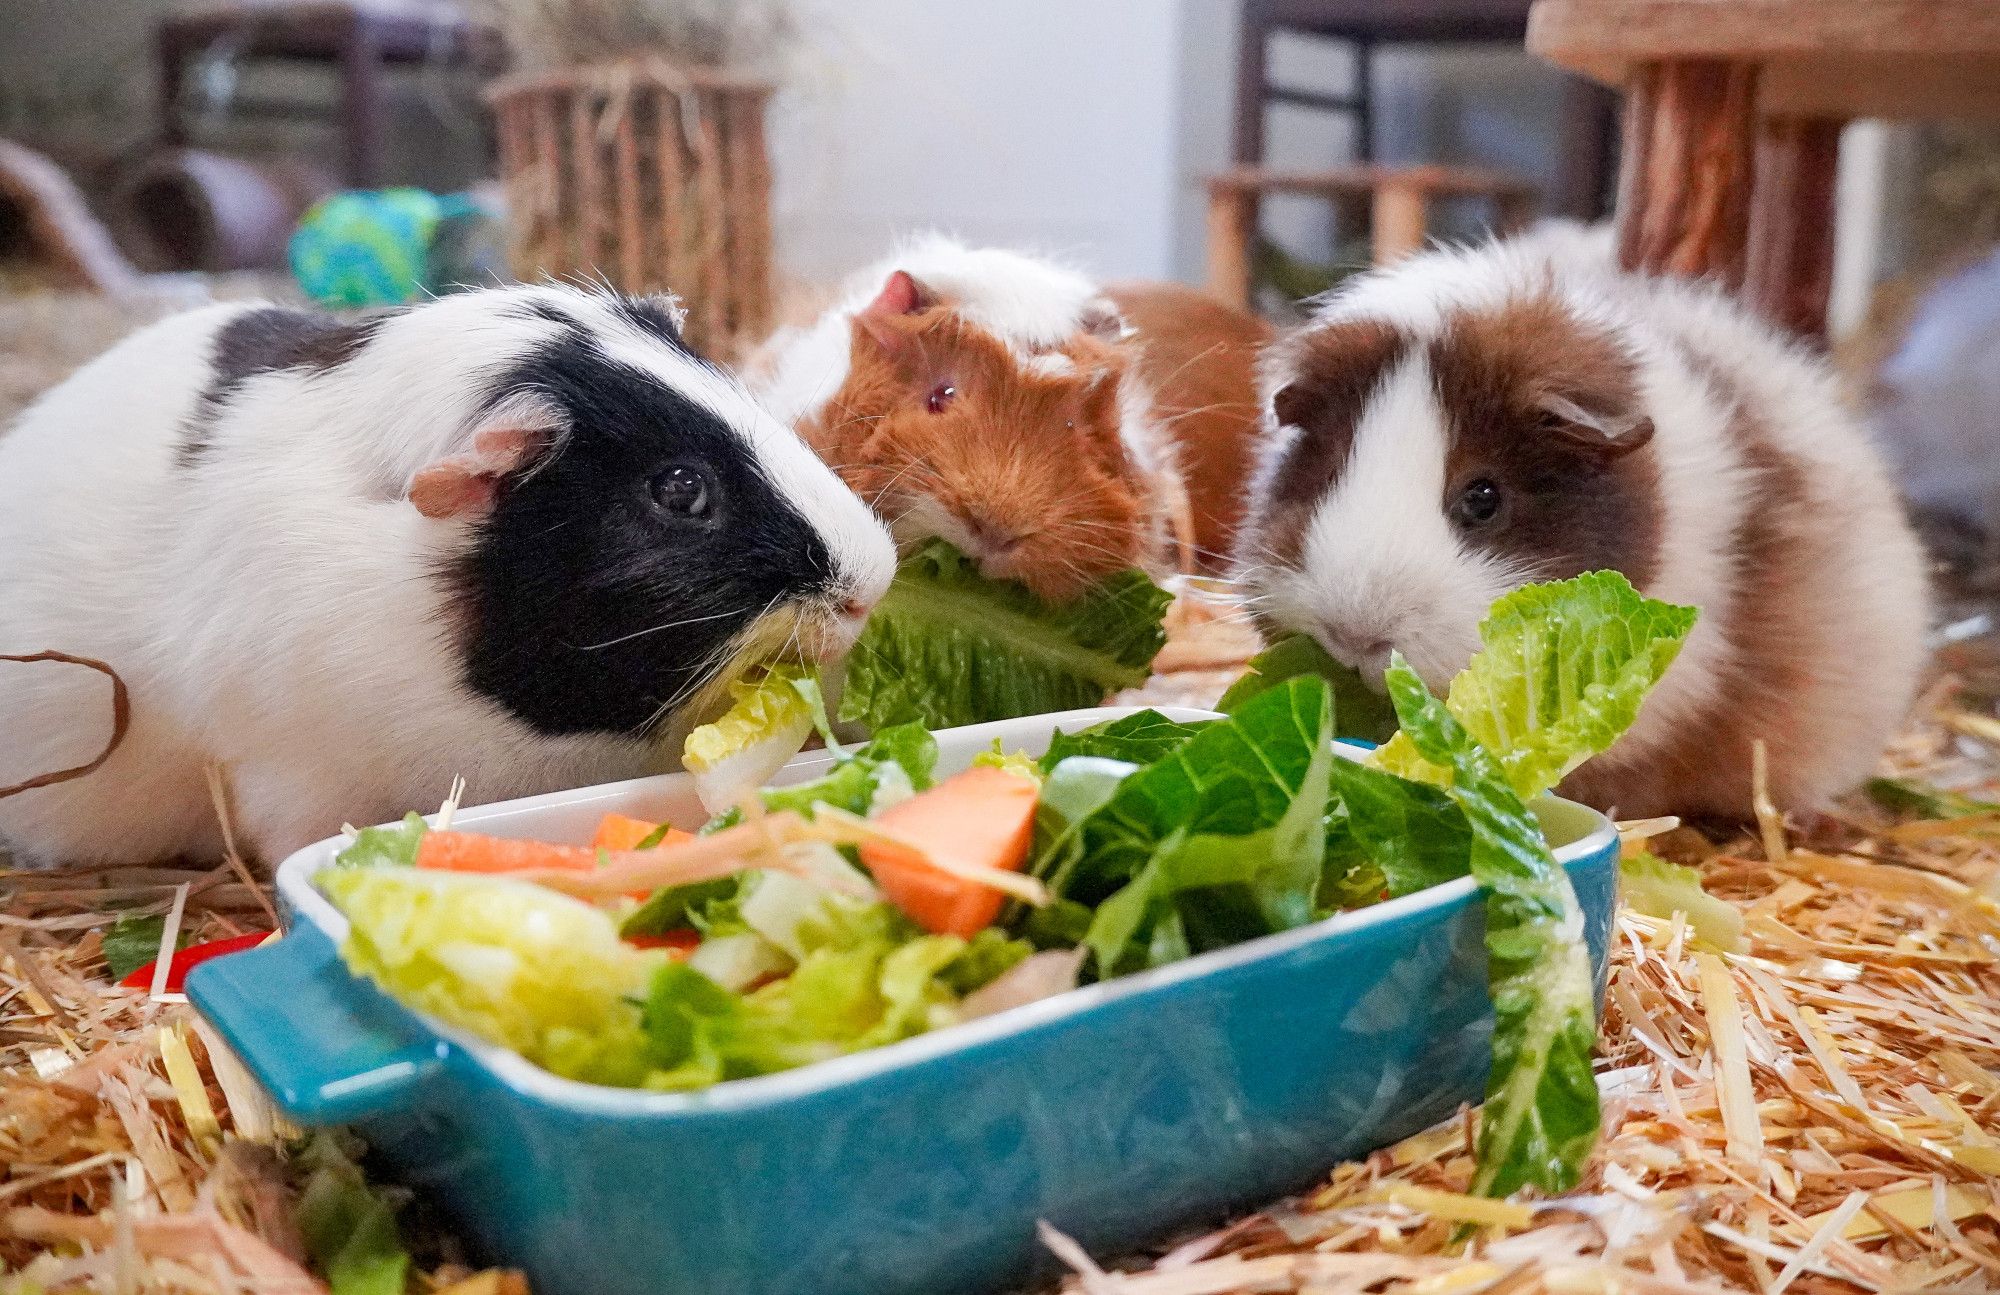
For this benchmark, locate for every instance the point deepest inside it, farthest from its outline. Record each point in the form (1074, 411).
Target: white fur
(1029, 302)
(1381, 560)
(273, 608)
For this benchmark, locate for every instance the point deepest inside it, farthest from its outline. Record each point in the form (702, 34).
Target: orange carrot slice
(618, 832)
(985, 817)
(473, 852)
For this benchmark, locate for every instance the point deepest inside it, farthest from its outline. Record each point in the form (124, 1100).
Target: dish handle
(329, 1049)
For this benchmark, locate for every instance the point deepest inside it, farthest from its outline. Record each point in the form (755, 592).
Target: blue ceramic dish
(1118, 1112)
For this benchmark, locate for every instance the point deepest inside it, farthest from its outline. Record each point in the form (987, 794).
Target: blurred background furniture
(359, 40)
(1398, 198)
(1590, 114)
(1734, 111)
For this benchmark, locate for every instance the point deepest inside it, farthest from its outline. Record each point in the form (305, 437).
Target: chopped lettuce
(517, 964)
(1541, 1115)
(1561, 674)
(899, 760)
(770, 719)
(547, 976)
(861, 976)
(1140, 738)
(1011, 761)
(948, 647)
(394, 845)
(1660, 889)
(1359, 711)
(675, 908)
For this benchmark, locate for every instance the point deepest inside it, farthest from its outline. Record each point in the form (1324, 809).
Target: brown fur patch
(1198, 357)
(1571, 502)
(1030, 458)
(1334, 371)
(1762, 676)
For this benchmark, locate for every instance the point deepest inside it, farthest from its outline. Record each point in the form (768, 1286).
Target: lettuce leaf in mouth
(1561, 674)
(948, 647)
(1358, 710)
(771, 717)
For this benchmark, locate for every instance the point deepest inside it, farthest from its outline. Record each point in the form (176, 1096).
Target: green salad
(885, 899)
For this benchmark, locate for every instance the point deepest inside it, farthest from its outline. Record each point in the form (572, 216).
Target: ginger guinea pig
(1465, 422)
(1012, 407)
(509, 535)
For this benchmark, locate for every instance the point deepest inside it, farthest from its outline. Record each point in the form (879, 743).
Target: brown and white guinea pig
(1467, 421)
(507, 535)
(1001, 401)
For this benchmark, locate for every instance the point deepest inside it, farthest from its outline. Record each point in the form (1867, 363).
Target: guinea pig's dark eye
(683, 491)
(941, 395)
(1477, 504)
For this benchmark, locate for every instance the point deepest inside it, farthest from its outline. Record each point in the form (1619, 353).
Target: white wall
(1042, 123)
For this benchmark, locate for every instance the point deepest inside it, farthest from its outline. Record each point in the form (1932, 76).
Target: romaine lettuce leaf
(520, 965)
(1561, 676)
(1541, 1115)
(1414, 833)
(1222, 840)
(1358, 710)
(771, 718)
(1660, 889)
(948, 647)
(1140, 738)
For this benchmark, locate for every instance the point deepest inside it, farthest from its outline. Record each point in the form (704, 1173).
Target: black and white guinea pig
(1468, 421)
(508, 535)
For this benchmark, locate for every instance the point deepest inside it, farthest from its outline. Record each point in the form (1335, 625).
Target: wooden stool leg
(1232, 229)
(1788, 274)
(361, 103)
(1684, 188)
(1402, 217)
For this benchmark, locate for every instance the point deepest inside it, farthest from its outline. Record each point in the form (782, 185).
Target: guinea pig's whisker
(655, 629)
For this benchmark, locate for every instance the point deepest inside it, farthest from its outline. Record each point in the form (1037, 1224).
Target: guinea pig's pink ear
(1102, 321)
(466, 485)
(901, 295)
(1612, 435)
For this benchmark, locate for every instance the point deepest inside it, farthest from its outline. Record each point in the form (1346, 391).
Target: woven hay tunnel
(651, 177)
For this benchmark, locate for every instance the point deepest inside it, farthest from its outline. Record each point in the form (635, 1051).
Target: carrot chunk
(984, 817)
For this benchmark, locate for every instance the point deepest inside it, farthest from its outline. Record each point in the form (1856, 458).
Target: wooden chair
(1733, 116)
(1399, 199)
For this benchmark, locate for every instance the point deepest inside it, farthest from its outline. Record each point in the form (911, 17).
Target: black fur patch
(583, 606)
(546, 311)
(652, 316)
(269, 340)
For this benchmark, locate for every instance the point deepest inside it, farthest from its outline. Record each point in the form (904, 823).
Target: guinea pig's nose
(1358, 650)
(854, 609)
